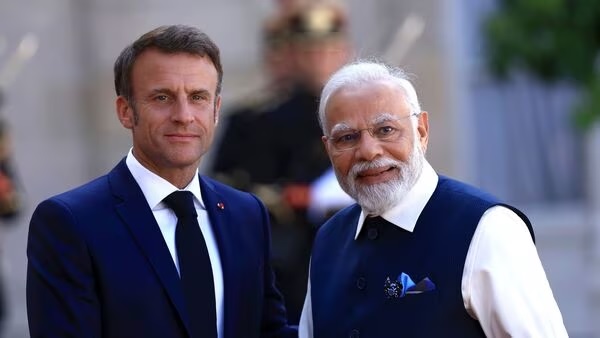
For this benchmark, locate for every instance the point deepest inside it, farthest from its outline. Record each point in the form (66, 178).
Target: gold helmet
(318, 21)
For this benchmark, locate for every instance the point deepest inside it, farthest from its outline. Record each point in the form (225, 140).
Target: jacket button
(355, 333)
(361, 283)
(372, 233)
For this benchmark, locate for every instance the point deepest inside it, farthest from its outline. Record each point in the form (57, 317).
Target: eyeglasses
(387, 131)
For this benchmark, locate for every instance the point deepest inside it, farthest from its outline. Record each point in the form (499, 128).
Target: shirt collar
(156, 188)
(406, 213)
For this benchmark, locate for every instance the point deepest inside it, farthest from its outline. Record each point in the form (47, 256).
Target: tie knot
(182, 203)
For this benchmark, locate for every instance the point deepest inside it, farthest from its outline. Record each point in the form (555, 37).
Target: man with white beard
(420, 254)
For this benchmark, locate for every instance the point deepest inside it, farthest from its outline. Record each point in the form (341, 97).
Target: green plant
(553, 39)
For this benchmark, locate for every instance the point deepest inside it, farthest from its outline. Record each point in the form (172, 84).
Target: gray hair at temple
(362, 72)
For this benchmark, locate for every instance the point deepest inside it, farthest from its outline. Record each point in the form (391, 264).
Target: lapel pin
(220, 205)
(392, 289)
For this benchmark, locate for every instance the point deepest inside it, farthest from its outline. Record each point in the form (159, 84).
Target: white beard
(375, 199)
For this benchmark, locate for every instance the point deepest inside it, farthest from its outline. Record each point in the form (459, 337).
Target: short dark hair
(167, 39)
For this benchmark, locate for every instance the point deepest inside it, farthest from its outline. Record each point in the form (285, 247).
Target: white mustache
(375, 164)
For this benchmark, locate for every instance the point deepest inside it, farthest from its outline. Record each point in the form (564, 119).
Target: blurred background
(506, 113)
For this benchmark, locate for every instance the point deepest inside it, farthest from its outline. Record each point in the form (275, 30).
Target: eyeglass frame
(371, 130)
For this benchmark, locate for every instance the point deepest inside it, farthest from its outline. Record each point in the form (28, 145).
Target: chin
(377, 198)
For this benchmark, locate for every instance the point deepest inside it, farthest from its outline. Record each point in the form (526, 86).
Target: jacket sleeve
(61, 301)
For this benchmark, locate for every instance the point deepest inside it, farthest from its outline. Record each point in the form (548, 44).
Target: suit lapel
(219, 214)
(136, 214)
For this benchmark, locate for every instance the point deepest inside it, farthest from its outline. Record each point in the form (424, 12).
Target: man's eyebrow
(161, 91)
(340, 127)
(381, 118)
(384, 117)
(200, 92)
(170, 92)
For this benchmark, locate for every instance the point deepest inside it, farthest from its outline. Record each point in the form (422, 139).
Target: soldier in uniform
(272, 147)
(236, 161)
(9, 198)
(293, 154)
(9, 203)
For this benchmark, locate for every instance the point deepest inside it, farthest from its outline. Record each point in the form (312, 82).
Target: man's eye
(385, 131)
(161, 98)
(197, 97)
(346, 138)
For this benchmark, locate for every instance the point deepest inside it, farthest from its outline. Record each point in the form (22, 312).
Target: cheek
(401, 153)
(342, 162)
(208, 124)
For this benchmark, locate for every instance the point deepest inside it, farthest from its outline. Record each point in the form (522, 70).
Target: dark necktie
(194, 266)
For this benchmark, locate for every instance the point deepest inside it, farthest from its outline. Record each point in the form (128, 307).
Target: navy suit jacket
(98, 265)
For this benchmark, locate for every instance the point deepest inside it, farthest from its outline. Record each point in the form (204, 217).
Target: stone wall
(61, 105)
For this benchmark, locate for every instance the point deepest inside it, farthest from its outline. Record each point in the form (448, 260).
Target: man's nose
(183, 112)
(368, 147)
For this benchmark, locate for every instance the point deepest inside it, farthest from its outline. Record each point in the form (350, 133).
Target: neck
(179, 176)
(180, 180)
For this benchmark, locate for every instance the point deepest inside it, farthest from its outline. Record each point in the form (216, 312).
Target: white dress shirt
(504, 285)
(155, 189)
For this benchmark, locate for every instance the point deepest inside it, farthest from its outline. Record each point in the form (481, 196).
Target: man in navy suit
(420, 254)
(103, 257)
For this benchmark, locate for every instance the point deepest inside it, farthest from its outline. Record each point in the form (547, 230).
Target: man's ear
(124, 112)
(423, 129)
(217, 109)
(324, 139)
(327, 145)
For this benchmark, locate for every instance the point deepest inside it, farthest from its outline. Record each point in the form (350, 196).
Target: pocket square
(404, 285)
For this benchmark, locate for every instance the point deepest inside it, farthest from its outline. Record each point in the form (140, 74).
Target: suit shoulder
(64, 212)
(340, 220)
(85, 193)
(465, 191)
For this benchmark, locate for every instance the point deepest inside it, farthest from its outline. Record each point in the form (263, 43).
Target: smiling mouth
(375, 172)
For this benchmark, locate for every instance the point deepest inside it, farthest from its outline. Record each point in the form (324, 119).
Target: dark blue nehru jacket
(348, 275)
